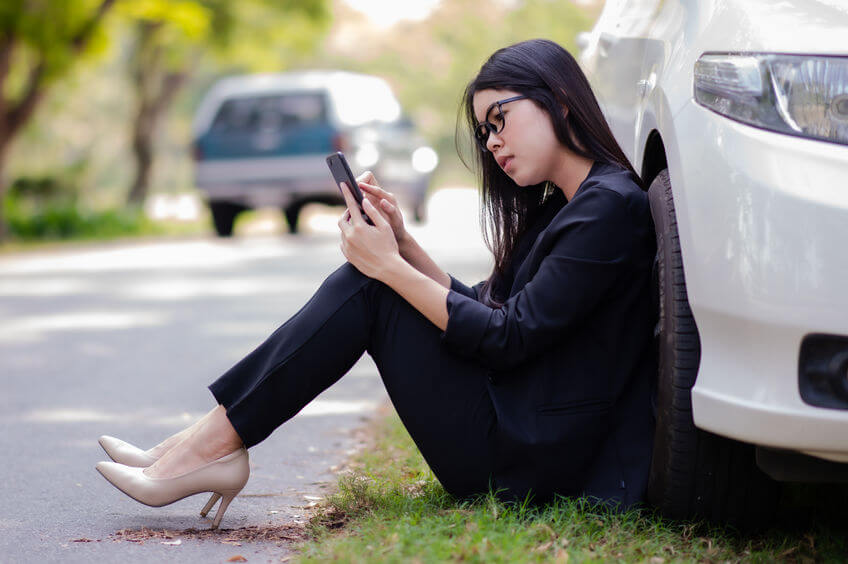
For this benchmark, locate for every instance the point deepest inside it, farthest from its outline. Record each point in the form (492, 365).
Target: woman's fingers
(380, 221)
(368, 196)
(373, 189)
(344, 220)
(389, 208)
(375, 215)
(352, 206)
(368, 177)
(377, 191)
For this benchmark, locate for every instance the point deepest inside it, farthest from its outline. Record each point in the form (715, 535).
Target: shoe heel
(225, 502)
(210, 504)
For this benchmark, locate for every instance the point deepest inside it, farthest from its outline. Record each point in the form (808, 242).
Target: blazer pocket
(574, 407)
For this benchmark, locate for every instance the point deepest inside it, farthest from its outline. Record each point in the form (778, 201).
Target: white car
(735, 112)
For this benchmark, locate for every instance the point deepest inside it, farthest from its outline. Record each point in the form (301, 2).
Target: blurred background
(100, 100)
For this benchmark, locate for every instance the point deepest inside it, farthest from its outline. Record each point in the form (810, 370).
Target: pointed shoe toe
(224, 477)
(123, 452)
(132, 481)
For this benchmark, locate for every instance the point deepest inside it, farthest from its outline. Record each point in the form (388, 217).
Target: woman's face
(527, 148)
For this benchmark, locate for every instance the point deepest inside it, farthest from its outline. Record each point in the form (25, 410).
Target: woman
(534, 382)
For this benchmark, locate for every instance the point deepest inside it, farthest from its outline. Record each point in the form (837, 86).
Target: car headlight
(424, 159)
(799, 95)
(367, 156)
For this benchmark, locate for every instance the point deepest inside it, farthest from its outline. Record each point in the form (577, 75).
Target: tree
(39, 42)
(172, 36)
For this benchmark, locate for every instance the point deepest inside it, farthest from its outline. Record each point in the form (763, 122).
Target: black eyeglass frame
(482, 130)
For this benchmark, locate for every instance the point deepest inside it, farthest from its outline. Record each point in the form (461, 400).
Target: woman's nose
(493, 142)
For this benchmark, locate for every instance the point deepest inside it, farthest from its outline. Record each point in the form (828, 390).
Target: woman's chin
(528, 179)
(521, 181)
(516, 178)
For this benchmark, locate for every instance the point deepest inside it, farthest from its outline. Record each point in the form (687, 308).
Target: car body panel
(762, 216)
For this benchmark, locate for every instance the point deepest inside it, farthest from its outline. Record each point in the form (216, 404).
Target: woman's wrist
(394, 270)
(405, 244)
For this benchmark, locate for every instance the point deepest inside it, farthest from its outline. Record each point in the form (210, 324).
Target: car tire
(292, 213)
(694, 474)
(419, 212)
(224, 216)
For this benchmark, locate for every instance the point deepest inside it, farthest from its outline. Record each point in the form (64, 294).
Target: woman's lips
(505, 163)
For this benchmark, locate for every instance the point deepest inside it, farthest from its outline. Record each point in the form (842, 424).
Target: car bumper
(279, 181)
(264, 181)
(763, 222)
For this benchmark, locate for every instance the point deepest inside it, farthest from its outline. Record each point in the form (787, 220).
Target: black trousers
(440, 397)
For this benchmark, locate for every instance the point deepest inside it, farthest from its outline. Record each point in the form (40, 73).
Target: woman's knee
(346, 279)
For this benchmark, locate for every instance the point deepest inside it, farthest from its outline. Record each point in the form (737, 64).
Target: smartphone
(341, 173)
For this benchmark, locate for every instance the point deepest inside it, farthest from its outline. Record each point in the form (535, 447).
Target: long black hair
(550, 77)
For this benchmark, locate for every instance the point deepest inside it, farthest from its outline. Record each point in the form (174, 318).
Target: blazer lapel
(531, 261)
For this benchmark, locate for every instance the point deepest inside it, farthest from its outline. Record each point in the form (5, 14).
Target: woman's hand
(385, 202)
(372, 249)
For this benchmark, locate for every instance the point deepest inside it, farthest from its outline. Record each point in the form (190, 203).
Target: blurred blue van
(261, 140)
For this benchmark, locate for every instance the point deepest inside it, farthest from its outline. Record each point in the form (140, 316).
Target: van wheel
(223, 216)
(292, 213)
(419, 212)
(694, 474)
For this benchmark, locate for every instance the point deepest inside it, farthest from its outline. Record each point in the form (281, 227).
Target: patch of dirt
(279, 533)
(331, 518)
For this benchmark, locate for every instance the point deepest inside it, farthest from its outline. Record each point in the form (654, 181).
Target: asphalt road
(122, 339)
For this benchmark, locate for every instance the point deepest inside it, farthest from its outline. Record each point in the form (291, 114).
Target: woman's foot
(123, 452)
(159, 450)
(208, 440)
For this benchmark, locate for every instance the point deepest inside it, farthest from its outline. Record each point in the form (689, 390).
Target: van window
(363, 99)
(263, 113)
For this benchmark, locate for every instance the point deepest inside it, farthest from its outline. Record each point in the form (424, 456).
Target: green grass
(390, 508)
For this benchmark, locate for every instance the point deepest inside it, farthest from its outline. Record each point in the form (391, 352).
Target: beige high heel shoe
(124, 453)
(128, 454)
(224, 477)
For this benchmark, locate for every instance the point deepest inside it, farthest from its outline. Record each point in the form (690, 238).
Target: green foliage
(253, 34)
(34, 192)
(45, 32)
(189, 20)
(48, 208)
(57, 220)
(39, 41)
(391, 509)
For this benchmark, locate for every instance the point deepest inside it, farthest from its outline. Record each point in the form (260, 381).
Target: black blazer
(570, 352)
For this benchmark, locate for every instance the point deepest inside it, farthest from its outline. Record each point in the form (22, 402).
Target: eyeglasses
(481, 132)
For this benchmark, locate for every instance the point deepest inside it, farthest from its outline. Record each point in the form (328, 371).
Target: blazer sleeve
(593, 241)
(472, 292)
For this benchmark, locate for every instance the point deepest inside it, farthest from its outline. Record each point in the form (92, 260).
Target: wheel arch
(654, 157)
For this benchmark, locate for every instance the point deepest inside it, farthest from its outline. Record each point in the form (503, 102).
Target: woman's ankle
(189, 455)
(159, 450)
(163, 447)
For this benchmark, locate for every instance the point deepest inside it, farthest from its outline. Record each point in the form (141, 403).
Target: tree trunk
(142, 146)
(4, 145)
(147, 121)
(156, 90)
